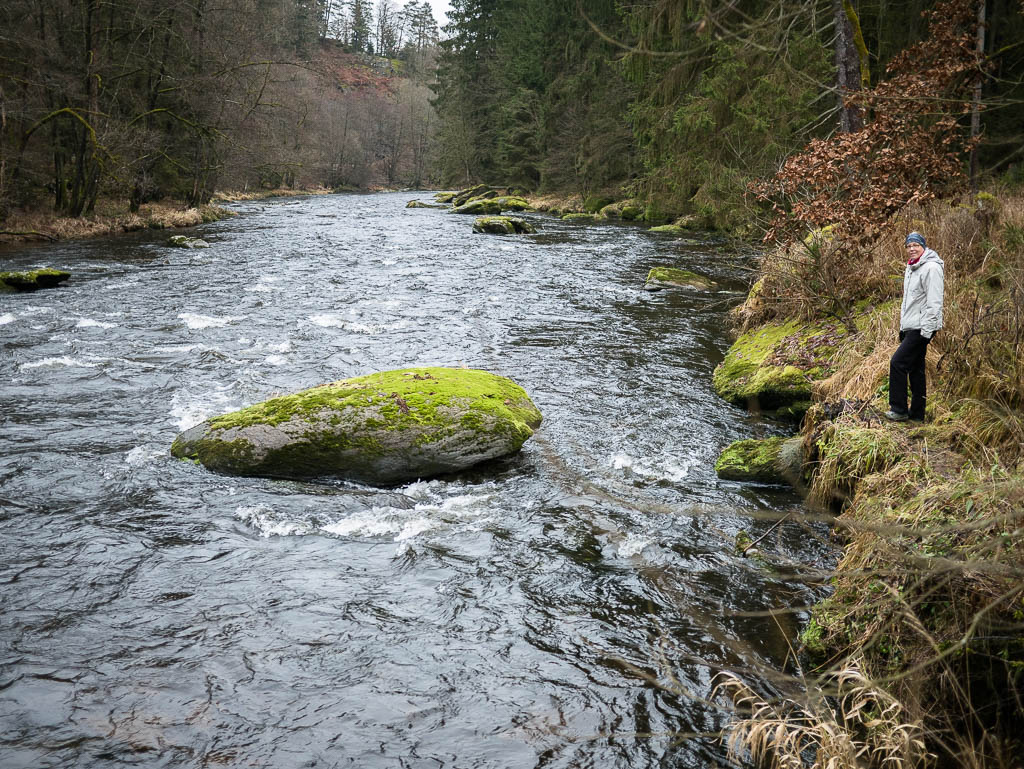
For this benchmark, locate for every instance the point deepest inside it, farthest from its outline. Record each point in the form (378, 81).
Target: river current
(566, 607)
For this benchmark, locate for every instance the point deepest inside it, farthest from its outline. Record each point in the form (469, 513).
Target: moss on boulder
(751, 460)
(32, 280)
(421, 204)
(668, 229)
(478, 207)
(463, 196)
(503, 225)
(512, 203)
(773, 366)
(669, 277)
(444, 197)
(631, 212)
(380, 429)
(184, 241)
(577, 217)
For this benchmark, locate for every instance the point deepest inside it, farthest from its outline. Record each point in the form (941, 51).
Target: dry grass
(230, 196)
(929, 593)
(847, 721)
(111, 217)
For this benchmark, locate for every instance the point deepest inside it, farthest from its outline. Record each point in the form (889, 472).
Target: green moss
(402, 399)
(751, 460)
(478, 207)
(774, 365)
(502, 225)
(512, 203)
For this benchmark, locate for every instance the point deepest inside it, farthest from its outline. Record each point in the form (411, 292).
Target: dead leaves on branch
(910, 150)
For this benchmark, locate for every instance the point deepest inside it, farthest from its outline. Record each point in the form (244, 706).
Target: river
(567, 607)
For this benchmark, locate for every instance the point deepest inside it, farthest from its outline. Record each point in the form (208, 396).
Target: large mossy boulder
(421, 204)
(380, 429)
(670, 277)
(503, 225)
(32, 280)
(773, 366)
(479, 207)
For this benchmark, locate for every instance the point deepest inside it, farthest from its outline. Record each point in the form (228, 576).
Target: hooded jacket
(923, 285)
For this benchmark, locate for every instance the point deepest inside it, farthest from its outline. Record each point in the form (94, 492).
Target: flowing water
(566, 607)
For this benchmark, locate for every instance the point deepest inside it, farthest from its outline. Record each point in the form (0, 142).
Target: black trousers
(907, 364)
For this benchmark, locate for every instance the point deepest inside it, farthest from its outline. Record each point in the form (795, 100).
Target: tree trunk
(848, 67)
(976, 103)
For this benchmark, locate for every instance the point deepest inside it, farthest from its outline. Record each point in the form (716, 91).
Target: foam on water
(189, 409)
(660, 469)
(90, 323)
(275, 360)
(6, 318)
(194, 321)
(63, 360)
(329, 320)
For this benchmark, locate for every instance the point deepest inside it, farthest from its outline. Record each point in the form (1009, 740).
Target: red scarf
(914, 260)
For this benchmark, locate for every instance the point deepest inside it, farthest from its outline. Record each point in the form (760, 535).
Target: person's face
(914, 250)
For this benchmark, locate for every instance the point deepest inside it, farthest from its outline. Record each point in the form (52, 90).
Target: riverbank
(111, 217)
(928, 600)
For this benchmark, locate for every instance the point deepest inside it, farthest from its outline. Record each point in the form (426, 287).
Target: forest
(156, 100)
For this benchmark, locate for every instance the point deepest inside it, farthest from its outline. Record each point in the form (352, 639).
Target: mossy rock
(773, 366)
(184, 241)
(669, 277)
(631, 212)
(32, 280)
(478, 207)
(444, 197)
(577, 217)
(512, 203)
(595, 203)
(751, 460)
(380, 429)
(421, 204)
(668, 229)
(462, 196)
(503, 225)
(610, 211)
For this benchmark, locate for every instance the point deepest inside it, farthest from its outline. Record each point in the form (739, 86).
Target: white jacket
(922, 295)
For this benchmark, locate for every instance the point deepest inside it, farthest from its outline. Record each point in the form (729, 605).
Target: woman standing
(920, 318)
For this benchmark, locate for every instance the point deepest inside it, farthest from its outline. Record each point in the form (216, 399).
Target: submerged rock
(184, 241)
(421, 204)
(380, 429)
(773, 366)
(32, 280)
(503, 225)
(669, 277)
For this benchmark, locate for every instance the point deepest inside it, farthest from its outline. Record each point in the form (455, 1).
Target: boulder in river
(184, 241)
(381, 429)
(512, 203)
(770, 460)
(503, 225)
(463, 196)
(478, 207)
(421, 204)
(670, 277)
(32, 280)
